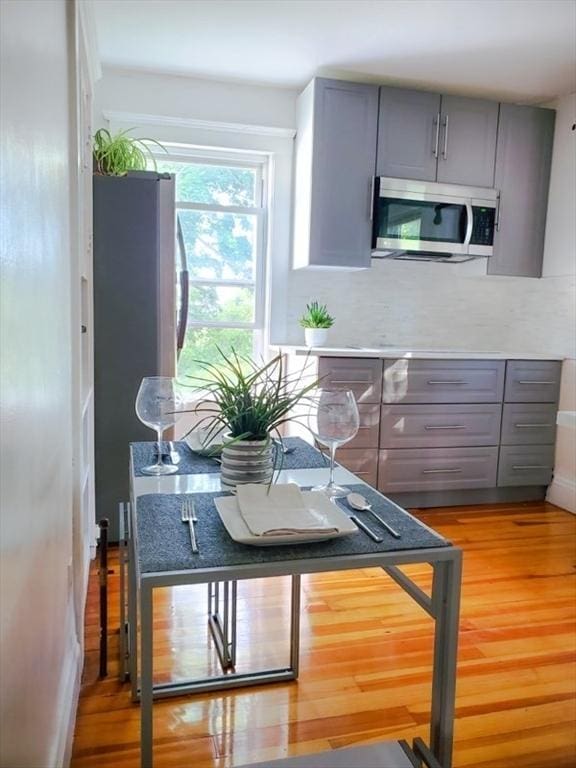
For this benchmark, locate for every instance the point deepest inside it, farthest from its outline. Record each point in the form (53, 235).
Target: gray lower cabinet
(437, 469)
(335, 162)
(432, 430)
(528, 424)
(443, 381)
(525, 465)
(363, 462)
(532, 381)
(440, 426)
(523, 159)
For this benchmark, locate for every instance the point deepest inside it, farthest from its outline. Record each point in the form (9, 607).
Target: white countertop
(417, 354)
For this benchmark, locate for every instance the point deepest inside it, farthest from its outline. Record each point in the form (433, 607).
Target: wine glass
(333, 419)
(157, 403)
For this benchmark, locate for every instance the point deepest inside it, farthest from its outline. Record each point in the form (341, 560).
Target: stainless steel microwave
(431, 221)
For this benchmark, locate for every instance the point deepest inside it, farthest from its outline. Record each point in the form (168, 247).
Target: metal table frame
(442, 605)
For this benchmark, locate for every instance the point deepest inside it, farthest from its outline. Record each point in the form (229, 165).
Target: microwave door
(404, 223)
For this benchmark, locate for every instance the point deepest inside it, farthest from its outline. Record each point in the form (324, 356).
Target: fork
(189, 516)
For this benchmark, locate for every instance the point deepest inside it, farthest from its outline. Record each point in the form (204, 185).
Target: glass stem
(160, 431)
(333, 447)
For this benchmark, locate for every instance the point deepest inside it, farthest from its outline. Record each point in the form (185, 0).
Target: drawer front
(362, 376)
(369, 430)
(443, 381)
(529, 424)
(363, 463)
(532, 381)
(439, 426)
(525, 464)
(436, 469)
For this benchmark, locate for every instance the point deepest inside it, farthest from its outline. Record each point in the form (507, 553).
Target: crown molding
(206, 125)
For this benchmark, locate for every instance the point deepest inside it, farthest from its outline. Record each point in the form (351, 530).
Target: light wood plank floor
(366, 659)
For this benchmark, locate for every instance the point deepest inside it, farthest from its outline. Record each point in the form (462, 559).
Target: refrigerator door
(134, 318)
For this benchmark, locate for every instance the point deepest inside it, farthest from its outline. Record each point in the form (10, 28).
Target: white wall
(39, 651)
(560, 263)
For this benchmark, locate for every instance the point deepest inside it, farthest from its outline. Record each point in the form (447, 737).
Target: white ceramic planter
(316, 337)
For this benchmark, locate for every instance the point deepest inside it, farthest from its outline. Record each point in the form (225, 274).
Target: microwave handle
(469, 224)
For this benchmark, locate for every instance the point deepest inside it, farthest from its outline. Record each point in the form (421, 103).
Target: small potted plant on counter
(316, 321)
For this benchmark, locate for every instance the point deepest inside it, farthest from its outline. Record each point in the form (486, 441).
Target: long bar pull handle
(497, 225)
(448, 471)
(528, 381)
(371, 200)
(444, 426)
(447, 381)
(445, 150)
(437, 138)
(530, 466)
(349, 381)
(532, 426)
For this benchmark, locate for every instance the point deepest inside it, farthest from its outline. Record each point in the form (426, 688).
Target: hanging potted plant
(115, 155)
(250, 404)
(316, 321)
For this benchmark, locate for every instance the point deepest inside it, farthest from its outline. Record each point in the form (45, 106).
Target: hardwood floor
(366, 659)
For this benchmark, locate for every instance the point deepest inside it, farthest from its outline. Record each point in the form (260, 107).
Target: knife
(174, 455)
(366, 530)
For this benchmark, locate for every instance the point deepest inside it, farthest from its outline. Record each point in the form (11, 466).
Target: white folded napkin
(279, 510)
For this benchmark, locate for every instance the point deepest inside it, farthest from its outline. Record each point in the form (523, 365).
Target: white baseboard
(562, 493)
(67, 703)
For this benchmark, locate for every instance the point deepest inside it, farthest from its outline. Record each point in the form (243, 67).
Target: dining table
(156, 552)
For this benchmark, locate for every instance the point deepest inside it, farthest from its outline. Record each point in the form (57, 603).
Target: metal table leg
(223, 627)
(446, 604)
(146, 690)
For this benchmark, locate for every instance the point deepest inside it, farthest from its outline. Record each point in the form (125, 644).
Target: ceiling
(522, 50)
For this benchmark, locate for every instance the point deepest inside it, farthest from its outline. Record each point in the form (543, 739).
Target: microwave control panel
(483, 226)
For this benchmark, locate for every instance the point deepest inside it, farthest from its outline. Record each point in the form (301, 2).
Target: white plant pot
(316, 337)
(247, 461)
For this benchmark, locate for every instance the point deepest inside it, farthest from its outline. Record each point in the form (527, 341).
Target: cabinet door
(343, 160)
(523, 157)
(467, 141)
(408, 134)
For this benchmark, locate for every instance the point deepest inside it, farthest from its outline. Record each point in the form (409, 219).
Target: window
(221, 216)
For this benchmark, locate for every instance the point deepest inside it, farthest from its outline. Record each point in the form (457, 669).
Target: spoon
(358, 502)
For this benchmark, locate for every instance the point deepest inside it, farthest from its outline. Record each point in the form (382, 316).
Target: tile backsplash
(425, 305)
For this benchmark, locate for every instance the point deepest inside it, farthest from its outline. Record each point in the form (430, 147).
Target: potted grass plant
(116, 154)
(316, 321)
(250, 403)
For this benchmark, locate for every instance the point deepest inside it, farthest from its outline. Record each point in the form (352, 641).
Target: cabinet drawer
(528, 424)
(363, 463)
(436, 469)
(532, 381)
(525, 464)
(443, 381)
(362, 376)
(439, 426)
(369, 429)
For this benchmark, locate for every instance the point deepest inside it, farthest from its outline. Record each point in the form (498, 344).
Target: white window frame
(258, 162)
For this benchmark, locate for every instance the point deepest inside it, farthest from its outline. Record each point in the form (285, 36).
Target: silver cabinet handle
(497, 224)
(532, 426)
(447, 381)
(445, 150)
(437, 139)
(530, 466)
(441, 471)
(371, 200)
(528, 381)
(444, 426)
(351, 381)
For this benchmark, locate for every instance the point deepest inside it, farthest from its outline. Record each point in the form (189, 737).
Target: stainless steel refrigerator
(137, 324)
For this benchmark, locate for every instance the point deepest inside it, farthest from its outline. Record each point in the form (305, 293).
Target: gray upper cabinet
(467, 144)
(408, 134)
(436, 138)
(335, 163)
(523, 158)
